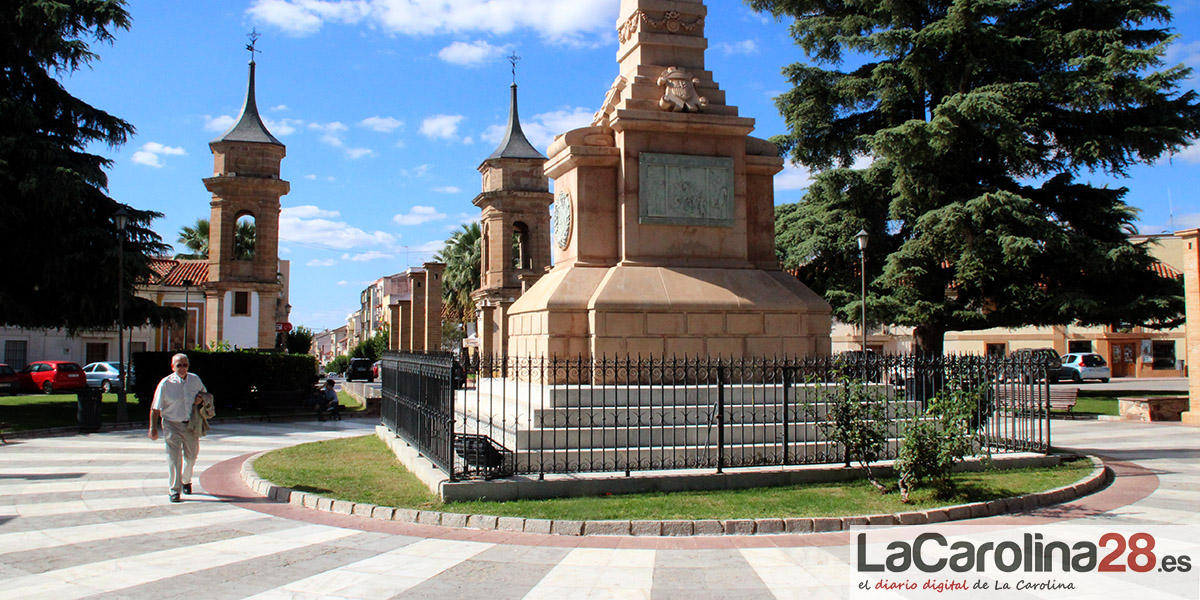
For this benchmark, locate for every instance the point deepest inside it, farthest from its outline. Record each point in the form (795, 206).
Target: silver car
(105, 375)
(1078, 366)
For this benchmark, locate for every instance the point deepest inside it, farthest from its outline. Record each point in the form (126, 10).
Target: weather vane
(514, 59)
(253, 35)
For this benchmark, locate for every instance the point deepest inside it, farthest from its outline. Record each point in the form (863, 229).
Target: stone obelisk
(664, 228)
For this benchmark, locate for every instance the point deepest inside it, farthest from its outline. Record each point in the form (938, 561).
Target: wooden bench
(1020, 396)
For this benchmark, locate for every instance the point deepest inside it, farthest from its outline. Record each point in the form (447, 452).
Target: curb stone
(1099, 477)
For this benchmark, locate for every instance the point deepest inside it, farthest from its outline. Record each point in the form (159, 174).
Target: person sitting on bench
(329, 407)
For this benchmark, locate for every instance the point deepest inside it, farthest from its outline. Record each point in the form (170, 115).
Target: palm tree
(195, 238)
(461, 255)
(243, 241)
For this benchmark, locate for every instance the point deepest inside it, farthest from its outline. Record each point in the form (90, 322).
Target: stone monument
(664, 226)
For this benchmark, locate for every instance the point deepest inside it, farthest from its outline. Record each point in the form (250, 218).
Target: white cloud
(303, 17)
(343, 283)
(418, 215)
(541, 129)
(311, 212)
(553, 19)
(472, 54)
(417, 171)
(1188, 54)
(283, 126)
(1191, 154)
(311, 177)
(151, 153)
(428, 247)
(367, 256)
(447, 189)
(444, 127)
(381, 124)
(328, 262)
(793, 178)
(746, 47)
(279, 108)
(357, 153)
(223, 123)
(331, 133)
(313, 225)
(219, 124)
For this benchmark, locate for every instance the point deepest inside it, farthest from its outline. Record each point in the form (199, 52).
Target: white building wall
(241, 330)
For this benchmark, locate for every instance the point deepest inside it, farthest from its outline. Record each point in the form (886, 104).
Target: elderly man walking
(171, 411)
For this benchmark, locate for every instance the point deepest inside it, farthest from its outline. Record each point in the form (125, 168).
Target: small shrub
(856, 418)
(943, 436)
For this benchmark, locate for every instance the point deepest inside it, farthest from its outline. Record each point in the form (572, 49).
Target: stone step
(508, 392)
(666, 436)
(692, 415)
(647, 458)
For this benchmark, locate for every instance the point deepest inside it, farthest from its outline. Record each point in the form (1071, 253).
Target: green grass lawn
(377, 478)
(1104, 402)
(44, 411)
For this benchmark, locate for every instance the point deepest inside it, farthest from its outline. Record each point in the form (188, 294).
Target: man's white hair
(175, 358)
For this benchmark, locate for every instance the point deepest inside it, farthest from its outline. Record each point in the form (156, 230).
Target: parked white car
(1078, 366)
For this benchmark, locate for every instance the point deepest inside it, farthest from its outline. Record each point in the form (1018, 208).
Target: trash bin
(87, 411)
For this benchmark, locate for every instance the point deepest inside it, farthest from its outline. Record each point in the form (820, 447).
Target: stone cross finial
(253, 35)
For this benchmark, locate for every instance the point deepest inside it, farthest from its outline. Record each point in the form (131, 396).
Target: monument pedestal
(664, 218)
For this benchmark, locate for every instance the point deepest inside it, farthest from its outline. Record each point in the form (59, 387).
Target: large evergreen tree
(56, 228)
(980, 116)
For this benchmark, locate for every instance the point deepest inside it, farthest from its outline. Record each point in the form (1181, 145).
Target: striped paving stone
(87, 517)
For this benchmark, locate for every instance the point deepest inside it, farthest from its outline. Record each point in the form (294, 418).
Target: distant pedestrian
(171, 411)
(329, 403)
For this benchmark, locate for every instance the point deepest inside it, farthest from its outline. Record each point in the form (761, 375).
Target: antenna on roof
(1170, 211)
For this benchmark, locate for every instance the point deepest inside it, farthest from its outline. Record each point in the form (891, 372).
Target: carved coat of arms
(680, 94)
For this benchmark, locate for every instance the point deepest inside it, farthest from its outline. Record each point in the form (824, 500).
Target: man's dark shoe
(187, 488)
(175, 498)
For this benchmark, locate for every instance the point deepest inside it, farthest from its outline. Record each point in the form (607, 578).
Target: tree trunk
(928, 340)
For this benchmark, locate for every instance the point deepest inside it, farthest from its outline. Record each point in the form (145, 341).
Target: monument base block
(1191, 418)
(632, 310)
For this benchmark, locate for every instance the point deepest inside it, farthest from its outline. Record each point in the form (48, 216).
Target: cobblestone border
(1095, 480)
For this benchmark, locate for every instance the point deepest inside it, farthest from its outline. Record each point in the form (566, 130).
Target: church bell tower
(514, 229)
(244, 292)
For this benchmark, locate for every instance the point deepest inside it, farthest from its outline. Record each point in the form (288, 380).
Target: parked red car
(50, 375)
(9, 382)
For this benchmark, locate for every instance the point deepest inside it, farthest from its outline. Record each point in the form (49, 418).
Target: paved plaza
(87, 516)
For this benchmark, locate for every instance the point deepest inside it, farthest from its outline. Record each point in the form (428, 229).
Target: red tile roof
(172, 272)
(1165, 270)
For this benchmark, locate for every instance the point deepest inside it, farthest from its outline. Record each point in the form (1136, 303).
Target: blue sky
(387, 108)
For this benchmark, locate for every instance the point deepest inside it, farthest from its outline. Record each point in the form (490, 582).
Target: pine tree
(980, 117)
(56, 220)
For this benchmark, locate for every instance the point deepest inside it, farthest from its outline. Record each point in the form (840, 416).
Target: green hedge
(231, 376)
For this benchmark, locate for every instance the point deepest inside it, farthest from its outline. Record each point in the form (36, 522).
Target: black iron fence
(503, 416)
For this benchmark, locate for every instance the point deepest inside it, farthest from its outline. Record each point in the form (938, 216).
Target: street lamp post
(862, 237)
(187, 311)
(121, 219)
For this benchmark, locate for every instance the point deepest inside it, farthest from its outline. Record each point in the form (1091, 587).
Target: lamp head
(862, 237)
(121, 218)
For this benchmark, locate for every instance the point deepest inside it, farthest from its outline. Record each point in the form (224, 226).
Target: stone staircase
(617, 428)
